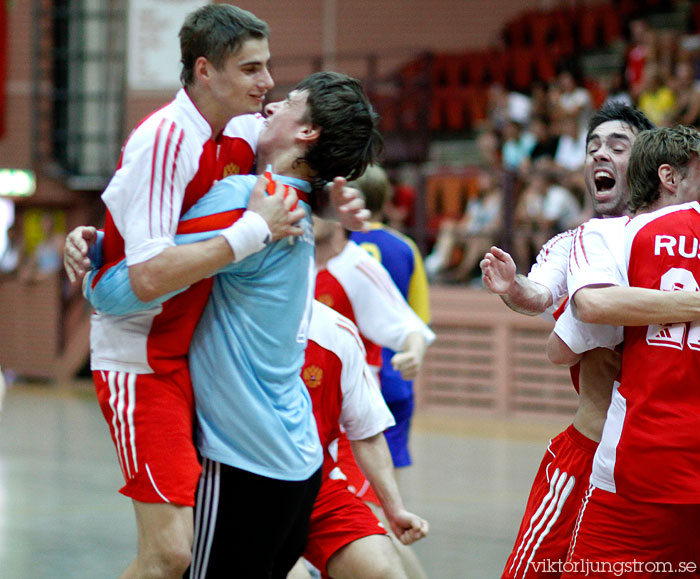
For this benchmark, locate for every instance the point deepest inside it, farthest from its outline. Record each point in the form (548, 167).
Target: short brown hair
(216, 31)
(655, 147)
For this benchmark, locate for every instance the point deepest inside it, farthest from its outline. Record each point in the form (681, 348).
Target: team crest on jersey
(231, 169)
(326, 300)
(312, 376)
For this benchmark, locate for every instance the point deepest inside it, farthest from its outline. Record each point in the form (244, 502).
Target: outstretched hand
(498, 271)
(277, 204)
(349, 205)
(75, 252)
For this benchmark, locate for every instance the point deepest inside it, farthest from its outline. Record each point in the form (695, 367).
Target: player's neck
(288, 163)
(329, 248)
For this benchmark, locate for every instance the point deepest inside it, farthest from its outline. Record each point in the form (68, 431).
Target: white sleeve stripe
(352, 332)
(381, 282)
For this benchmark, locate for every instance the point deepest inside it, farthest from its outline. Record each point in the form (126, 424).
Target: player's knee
(167, 561)
(371, 557)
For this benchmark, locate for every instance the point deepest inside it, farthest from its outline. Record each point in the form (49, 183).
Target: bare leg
(165, 541)
(372, 557)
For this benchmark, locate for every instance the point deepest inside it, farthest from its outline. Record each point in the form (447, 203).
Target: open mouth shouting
(604, 182)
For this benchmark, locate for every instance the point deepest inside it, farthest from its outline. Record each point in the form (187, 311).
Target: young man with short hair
(255, 428)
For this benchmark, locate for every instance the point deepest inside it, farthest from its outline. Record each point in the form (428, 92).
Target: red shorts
(151, 418)
(616, 537)
(338, 518)
(552, 507)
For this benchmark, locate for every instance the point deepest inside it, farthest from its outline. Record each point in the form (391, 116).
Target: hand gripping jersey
(253, 410)
(169, 161)
(401, 258)
(650, 450)
(343, 390)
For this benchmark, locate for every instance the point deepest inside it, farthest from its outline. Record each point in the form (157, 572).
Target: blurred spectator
(10, 258)
(572, 100)
(665, 54)
(489, 145)
(687, 109)
(517, 145)
(544, 208)
(641, 45)
(615, 87)
(571, 148)
(540, 100)
(656, 99)
(46, 258)
(545, 142)
(399, 209)
(471, 236)
(505, 106)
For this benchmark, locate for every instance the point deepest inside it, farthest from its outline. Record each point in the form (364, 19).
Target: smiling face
(605, 170)
(241, 84)
(284, 121)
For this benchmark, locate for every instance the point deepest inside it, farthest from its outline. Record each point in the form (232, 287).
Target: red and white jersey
(168, 162)
(359, 287)
(596, 258)
(343, 391)
(650, 450)
(550, 267)
(581, 337)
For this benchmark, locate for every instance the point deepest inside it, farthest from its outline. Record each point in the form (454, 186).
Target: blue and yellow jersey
(401, 258)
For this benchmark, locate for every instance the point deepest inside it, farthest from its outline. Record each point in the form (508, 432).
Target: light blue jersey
(253, 409)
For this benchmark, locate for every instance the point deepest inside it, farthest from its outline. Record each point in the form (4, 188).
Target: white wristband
(248, 235)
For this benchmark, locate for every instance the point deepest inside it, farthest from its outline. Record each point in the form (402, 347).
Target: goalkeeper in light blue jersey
(256, 431)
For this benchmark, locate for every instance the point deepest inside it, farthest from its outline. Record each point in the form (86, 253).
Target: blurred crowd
(539, 139)
(31, 248)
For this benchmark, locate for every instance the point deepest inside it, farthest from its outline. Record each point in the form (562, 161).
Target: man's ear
(202, 69)
(309, 134)
(668, 177)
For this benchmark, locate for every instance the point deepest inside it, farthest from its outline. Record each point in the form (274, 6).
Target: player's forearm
(527, 297)
(178, 267)
(633, 306)
(374, 459)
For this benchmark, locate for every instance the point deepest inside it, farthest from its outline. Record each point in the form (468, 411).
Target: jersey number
(674, 335)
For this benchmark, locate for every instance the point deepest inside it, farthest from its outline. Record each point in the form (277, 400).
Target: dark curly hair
(349, 137)
(216, 31)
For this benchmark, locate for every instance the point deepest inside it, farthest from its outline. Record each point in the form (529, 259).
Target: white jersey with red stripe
(550, 267)
(356, 279)
(169, 161)
(596, 258)
(650, 449)
(343, 391)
